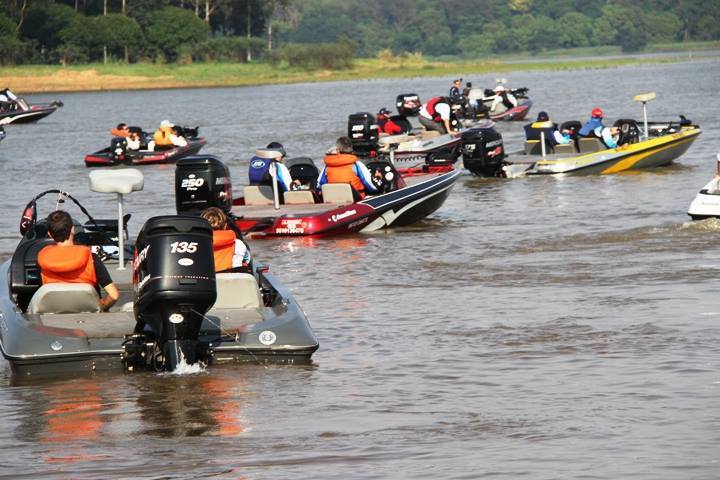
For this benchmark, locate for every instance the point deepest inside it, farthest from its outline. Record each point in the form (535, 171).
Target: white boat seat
(65, 298)
(337, 193)
(299, 197)
(590, 145)
(124, 181)
(258, 195)
(532, 147)
(237, 290)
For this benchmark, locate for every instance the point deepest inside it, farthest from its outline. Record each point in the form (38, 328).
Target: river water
(534, 328)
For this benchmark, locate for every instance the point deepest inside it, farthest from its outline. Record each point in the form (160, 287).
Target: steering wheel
(29, 216)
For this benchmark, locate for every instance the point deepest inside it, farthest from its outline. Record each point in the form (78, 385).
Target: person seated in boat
(259, 171)
(594, 128)
(386, 125)
(552, 135)
(229, 250)
(166, 138)
(436, 115)
(503, 96)
(9, 101)
(66, 262)
(121, 130)
(342, 166)
(133, 141)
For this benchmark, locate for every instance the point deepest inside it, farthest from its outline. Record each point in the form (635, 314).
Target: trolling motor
(202, 181)
(483, 150)
(174, 282)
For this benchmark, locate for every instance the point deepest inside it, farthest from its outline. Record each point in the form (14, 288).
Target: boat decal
(185, 262)
(191, 183)
(291, 226)
(345, 214)
(176, 318)
(267, 337)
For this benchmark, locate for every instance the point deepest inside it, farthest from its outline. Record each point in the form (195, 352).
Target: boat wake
(185, 368)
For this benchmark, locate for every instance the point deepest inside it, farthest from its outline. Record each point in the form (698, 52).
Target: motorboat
(203, 181)
(14, 109)
(118, 152)
(415, 151)
(641, 144)
(707, 202)
(174, 309)
(481, 104)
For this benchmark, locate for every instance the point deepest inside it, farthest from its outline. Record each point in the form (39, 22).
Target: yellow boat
(655, 145)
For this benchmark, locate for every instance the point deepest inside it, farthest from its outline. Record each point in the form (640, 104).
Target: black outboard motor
(202, 181)
(118, 148)
(174, 281)
(408, 104)
(483, 151)
(363, 133)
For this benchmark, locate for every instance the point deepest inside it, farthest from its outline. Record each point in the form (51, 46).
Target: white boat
(707, 202)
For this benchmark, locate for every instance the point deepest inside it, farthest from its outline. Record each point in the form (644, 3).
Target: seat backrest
(65, 298)
(565, 148)
(237, 290)
(337, 193)
(590, 145)
(258, 195)
(299, 197)
(532, 147)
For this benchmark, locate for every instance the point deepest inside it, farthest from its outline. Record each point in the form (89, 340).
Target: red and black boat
(204, 181)
(27, 113)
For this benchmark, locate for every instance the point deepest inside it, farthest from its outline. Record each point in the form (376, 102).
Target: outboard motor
(118, 148)
(202, 181)
(174, 282)
(483, 150)
(363, 132)
(408, 104)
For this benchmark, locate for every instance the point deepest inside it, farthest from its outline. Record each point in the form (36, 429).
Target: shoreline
(34, 79)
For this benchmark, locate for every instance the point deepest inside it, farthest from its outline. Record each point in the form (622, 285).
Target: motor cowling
(202, 181)
(118, 148)
(174, 283)
(483, 151)
(363, 133)
(408, 104)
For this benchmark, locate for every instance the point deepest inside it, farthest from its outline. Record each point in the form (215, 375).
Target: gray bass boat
(173, 309)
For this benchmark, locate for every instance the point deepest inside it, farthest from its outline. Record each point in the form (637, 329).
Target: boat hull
(707, 202)
(104, 158)
(513, 114)
(398, 208)
(26, 116)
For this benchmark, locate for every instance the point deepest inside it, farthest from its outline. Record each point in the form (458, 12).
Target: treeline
(330, 33)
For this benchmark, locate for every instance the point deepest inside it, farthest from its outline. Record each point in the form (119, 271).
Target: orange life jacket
(68, 264)
(119, 133)
(339, 169)
(162, 136)
(223, 249)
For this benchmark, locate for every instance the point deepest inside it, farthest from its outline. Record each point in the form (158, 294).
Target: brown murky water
(531, 328)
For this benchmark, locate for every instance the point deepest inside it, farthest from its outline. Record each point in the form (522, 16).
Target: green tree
(44, 23)
(7, 27)
(118, 33)
(172, 28)
(576, 30)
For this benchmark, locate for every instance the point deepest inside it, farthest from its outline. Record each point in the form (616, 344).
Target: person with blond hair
(228, 250)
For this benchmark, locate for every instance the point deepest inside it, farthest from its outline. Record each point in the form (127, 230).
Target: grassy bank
(44, 78)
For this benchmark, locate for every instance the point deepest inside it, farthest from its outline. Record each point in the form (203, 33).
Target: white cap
(166, 124)
(499, 88)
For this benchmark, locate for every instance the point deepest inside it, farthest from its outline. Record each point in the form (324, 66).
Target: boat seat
(123, 181)
(532, 147)
(258, 195)
(65, 298)
(590, 145)
(564, 148)
(299, 197)
(337, 193)
(428, 134)
(237, 290)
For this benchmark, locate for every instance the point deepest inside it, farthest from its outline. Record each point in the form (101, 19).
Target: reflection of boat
(22, 112)
(203, 181)
(172, 299)
(118, 154)
(707, 202)
(640, 145)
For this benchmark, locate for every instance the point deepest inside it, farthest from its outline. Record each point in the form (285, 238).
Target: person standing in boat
(455, 92)
(595, 128)
(166, 138)
(552, 134)
(66, 262)
(436, 115)
(260, 164)
(228, 250)
(341, 166)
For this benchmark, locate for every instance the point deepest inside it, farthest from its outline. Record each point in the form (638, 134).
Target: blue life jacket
(588, 130)
(259, 171)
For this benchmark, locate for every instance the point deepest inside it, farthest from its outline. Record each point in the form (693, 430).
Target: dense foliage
(328, 33)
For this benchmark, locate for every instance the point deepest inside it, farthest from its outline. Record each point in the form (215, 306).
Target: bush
(228, 49)
(314, 56)
(13, 51)
(69, 54)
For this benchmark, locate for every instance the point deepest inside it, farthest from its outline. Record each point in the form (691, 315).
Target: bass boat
(173, 309)
(641, 144)
(480, 102)
(204, 181)
(118, 152)
(14, 109)
(707, 202)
